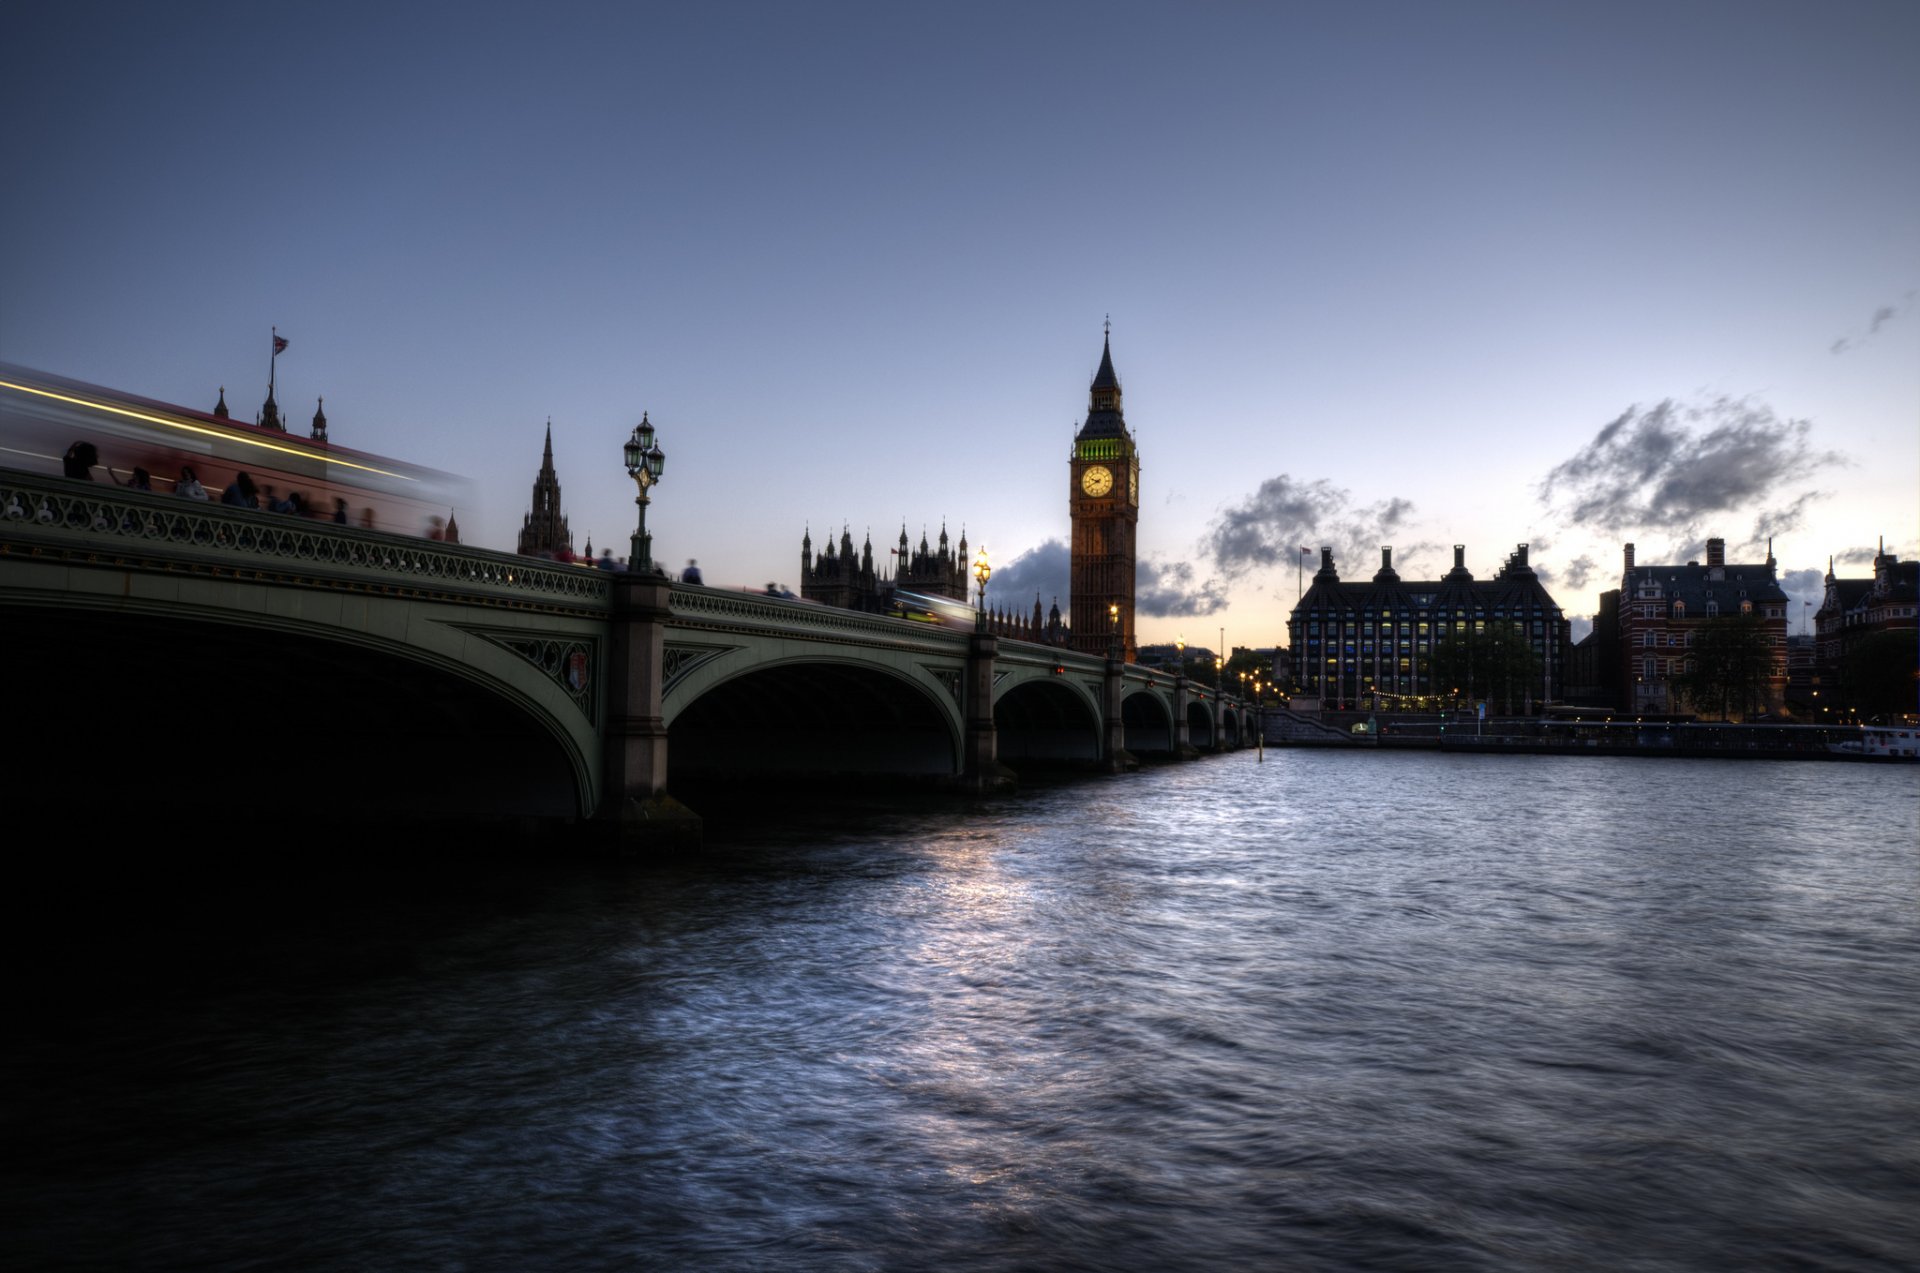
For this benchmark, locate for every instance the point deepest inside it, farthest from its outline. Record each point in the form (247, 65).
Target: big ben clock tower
(1105, 499)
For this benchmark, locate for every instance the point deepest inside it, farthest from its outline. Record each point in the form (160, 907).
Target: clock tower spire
(1105, 502)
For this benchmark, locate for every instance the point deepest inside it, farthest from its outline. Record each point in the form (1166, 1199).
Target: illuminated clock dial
(1133, 486)
(1097, 480)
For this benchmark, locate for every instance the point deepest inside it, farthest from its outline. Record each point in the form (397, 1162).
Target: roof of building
(1105, 377)
(1697, 586)
(1514, 588)
(1104, 421)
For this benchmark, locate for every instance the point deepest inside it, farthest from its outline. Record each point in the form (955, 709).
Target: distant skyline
(1390, 274)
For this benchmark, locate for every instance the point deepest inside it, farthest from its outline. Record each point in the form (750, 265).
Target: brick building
(1855, 609)
(1658, 610)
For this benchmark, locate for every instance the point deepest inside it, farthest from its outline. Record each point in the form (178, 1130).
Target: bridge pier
(981, 769)
(634, 796)
(1183, 748)
(1114, 756)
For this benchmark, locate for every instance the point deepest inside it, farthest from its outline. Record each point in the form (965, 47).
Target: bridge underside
(198, 725)
(812, 721)
(1043, 724)
(1200, 726)
(1149, 726)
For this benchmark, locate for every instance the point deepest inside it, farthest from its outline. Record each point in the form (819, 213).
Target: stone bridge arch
(1148, 720)
(811, 713)
(246, 658)
(1046, 719)
(229, 704)
(1200, 732)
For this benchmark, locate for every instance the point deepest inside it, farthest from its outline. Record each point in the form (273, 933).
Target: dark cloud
(1805, 590)
(1580, 571)
(1270, 527)
(1881, 317)
(1856, 556)
(1678, 469)
(1168, 591)
(1160, 590)
(1044, 570)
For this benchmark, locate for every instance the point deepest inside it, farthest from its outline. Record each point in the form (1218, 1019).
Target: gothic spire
(1105, 416)
(1105, 377)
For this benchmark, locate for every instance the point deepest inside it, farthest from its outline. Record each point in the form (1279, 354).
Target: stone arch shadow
(1046, 722)
(1200, 726)
(815, 720)
(248, 725)
(1148, 721)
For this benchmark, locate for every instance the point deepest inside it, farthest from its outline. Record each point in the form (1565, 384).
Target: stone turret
(544, 532)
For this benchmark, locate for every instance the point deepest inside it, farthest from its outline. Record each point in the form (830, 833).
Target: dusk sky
(1411, 274)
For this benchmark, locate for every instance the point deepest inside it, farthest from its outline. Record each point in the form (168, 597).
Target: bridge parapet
(45, 516)
(696, 606)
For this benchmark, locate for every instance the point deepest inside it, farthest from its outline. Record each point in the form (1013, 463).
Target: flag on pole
(279, 344)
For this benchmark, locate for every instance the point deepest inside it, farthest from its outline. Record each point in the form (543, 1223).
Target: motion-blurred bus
(42, 415)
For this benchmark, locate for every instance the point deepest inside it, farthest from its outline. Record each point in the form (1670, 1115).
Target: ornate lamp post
(645, 462)
(1113, 638)
(983, 572)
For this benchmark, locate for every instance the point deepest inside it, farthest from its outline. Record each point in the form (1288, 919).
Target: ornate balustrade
(717, 608)
(41, 516)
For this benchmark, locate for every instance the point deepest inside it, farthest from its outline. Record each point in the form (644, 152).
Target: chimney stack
(1386, 557)
(1459, 556)
(1629, 556)
(1716, 552)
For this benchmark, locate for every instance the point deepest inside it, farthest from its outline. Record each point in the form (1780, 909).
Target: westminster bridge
(209, 658)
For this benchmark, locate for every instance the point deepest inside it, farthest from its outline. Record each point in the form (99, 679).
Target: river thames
(1329, 1011)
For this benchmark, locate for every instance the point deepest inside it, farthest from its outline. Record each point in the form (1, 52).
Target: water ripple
(1322, 1012)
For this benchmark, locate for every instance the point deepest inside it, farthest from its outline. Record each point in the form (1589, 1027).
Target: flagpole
(273, 359)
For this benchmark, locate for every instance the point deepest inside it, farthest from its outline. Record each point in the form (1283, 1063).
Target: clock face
(1097, 480)
(1133, 486)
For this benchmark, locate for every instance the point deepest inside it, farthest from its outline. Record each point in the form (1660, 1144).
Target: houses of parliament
(1103, 474)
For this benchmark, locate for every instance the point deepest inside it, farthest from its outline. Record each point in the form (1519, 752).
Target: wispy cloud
(1270, 526)
(1881, 317)
(1679, 468)
(1779, 521)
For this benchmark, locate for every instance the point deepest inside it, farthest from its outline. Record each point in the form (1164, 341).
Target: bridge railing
(53, 511)
(721, 607)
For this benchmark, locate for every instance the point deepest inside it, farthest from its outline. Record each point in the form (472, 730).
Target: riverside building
(1659, 609)
(1365, 642)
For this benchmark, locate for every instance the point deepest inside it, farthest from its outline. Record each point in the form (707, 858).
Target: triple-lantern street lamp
(983, 572)
(645, 463)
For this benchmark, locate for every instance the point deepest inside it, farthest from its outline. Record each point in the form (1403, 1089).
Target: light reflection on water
(1324, 1012)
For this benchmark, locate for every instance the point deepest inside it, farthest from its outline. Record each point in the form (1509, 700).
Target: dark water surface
(1325, 1012)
